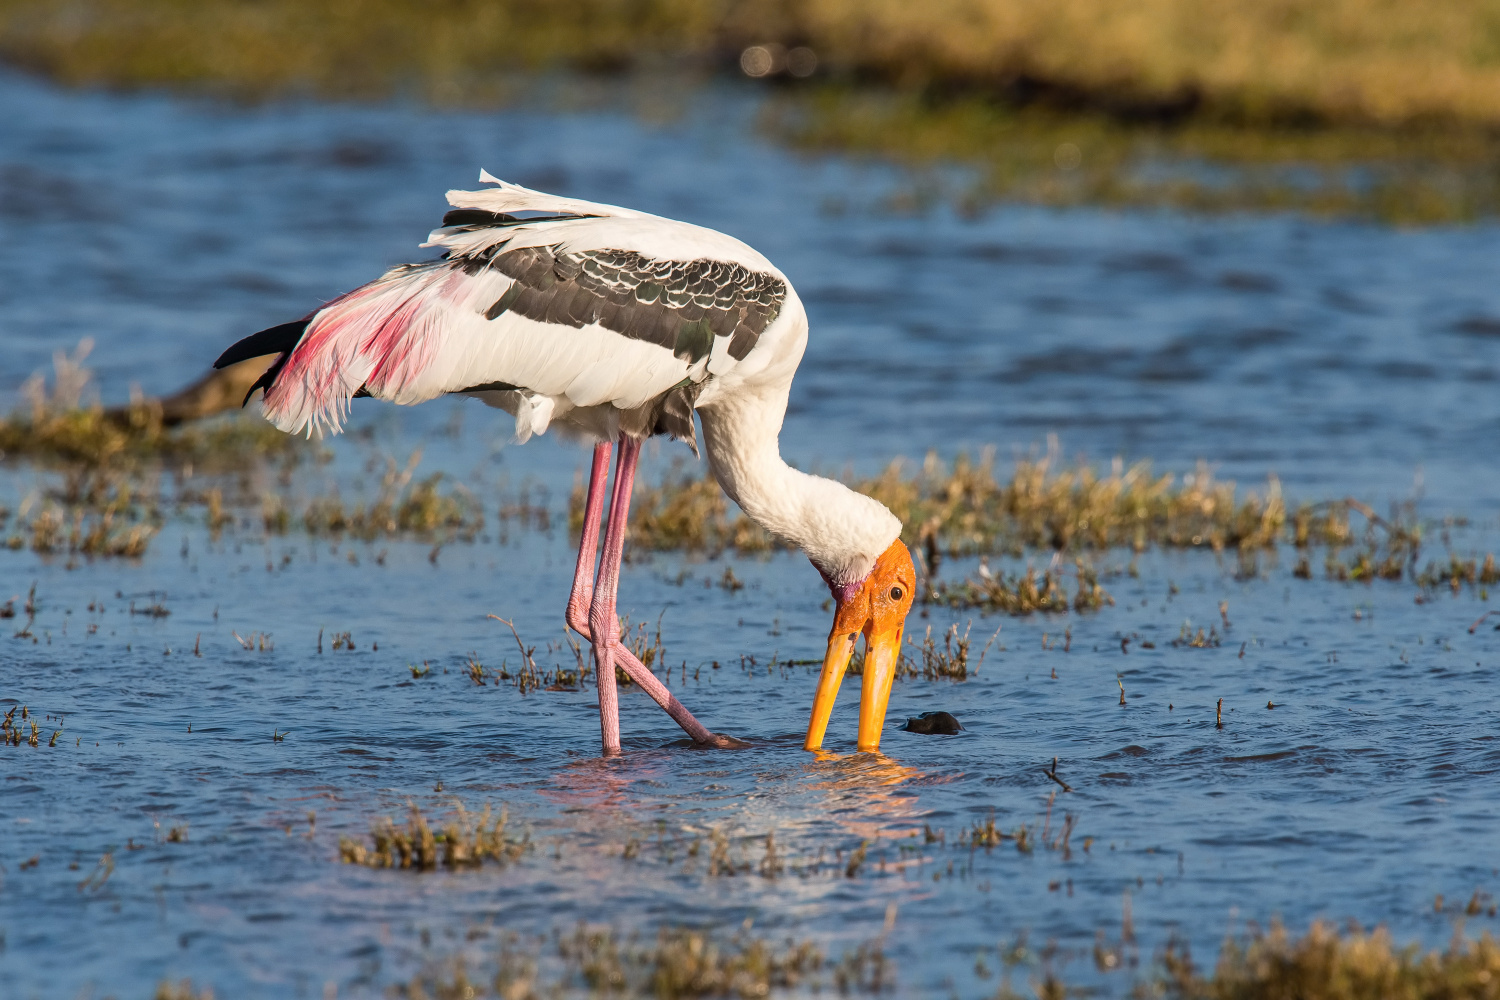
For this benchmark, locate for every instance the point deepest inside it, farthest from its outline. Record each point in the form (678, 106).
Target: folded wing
(587, 306)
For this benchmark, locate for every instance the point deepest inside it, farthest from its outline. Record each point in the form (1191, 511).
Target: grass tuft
(680, 963)
(929, 661)
(464, 841)
(964, 509)
(1022, 594)
(401, 507)
(1325, 964)
(66, 425)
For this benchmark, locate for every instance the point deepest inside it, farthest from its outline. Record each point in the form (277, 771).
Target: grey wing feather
(679, 305)
(683, 306)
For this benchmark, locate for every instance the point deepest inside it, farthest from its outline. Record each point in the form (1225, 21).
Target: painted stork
(613, 325)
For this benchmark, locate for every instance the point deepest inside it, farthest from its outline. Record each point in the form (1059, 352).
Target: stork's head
(876, 607)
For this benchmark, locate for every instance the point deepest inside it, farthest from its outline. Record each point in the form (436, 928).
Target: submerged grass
(110, 496)
(25, 731)
(402, 506)
(685, 512)
(119, 468)
(107, 498)
(1022, 593)
(91, 436)
(465, 840)
(1323, 964)
(965, 508)
(93, 516)
(601, 961)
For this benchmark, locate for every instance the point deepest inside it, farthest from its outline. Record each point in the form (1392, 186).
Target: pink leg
(581, 600)
(583, 578)
(604, 623)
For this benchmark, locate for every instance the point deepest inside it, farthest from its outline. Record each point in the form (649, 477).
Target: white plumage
(421, 330)
(448, 344)
(610, 324)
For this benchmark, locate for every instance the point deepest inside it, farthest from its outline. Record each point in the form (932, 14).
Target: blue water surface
(1344, 358)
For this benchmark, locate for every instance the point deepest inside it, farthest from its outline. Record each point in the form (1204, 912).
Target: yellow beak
(881, 655)
(875, 693)
(840, 649)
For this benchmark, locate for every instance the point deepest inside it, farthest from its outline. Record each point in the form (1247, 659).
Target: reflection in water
(860, 790)
(596, 785)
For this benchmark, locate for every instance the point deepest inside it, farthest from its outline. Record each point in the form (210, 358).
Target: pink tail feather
(380, 337)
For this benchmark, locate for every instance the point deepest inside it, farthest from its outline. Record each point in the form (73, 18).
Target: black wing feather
(277, 340)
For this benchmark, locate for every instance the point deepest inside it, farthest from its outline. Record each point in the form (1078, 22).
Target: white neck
(842, 532)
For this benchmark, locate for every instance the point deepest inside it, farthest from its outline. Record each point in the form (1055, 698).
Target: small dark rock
(933, 724)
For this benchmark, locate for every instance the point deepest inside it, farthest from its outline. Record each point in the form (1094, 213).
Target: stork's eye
(895, 593)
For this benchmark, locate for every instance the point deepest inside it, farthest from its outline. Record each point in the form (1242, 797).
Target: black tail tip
(276, 340)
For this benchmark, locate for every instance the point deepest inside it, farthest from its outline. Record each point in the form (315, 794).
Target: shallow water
(1346, 359)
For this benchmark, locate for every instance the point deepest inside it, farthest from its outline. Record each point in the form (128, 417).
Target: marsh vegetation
(1365, 60)
(1325, 963)
(115, 484)
(1366, 107)
(462, 840)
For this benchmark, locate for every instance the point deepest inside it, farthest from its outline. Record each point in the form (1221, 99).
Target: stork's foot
(648, 682)
(721, 741)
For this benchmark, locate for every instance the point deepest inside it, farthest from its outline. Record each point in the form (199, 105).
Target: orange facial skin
(877, 607)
